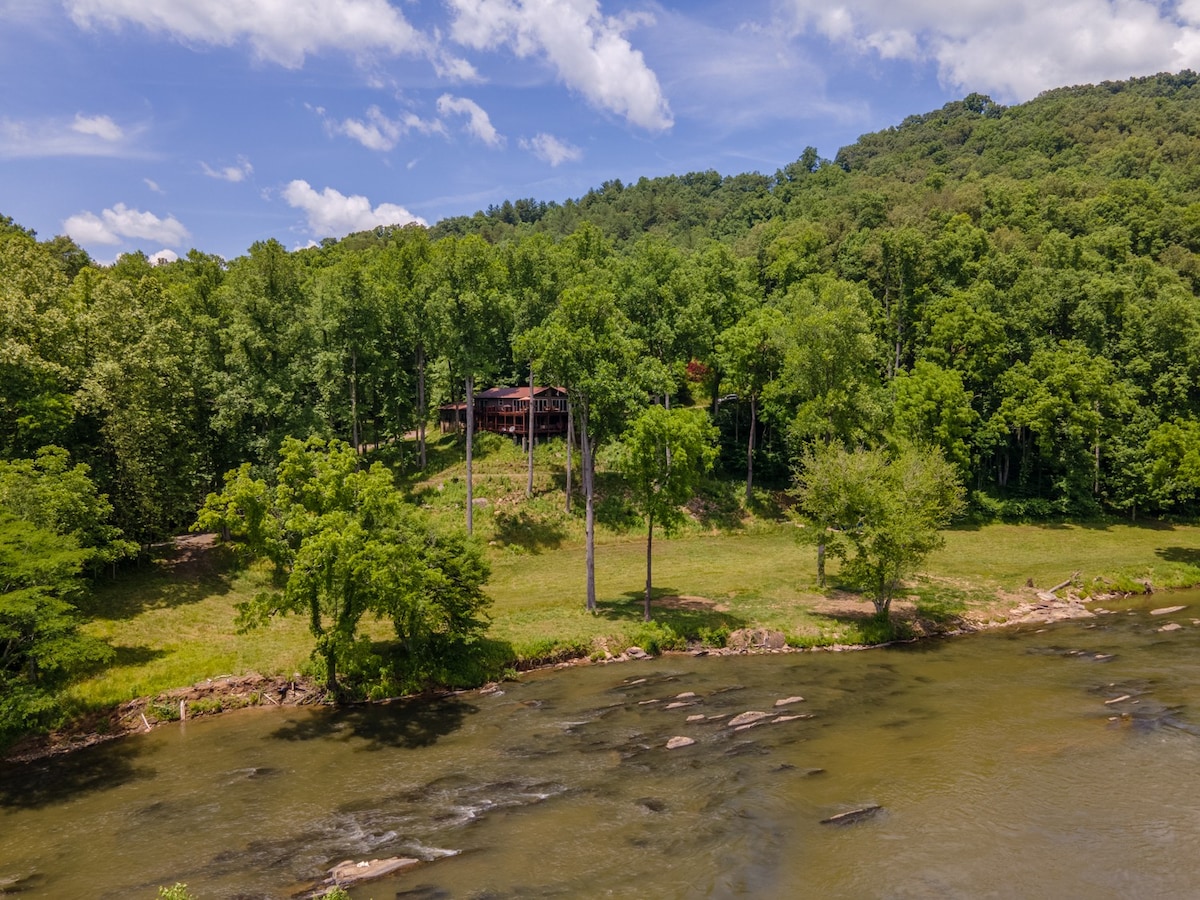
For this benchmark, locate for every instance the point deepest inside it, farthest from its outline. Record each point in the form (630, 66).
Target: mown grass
(176, 626)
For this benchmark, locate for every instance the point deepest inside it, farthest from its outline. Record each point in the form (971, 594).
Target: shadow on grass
(1189, 556)
(170, 579)
(64, 779)
(134, 656)
(406, 723)
(521, 529)
(688, 618)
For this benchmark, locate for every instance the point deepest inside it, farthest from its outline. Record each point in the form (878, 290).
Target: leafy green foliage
(41, 648)
(348, 546)
(61, 498)
(665, 455)
(883, 513)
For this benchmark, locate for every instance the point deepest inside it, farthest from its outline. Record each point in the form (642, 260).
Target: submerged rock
(747, 718)
(1171, 626)
(788, 701)
(853, 816)
(1166, 610)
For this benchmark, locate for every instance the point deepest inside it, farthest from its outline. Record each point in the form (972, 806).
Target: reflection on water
(1059, 762)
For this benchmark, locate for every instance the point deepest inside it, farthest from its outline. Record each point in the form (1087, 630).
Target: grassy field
(172, 620)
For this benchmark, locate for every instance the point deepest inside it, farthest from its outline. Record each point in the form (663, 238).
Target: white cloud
(333, 214)
(1019, 48)
(478, 122)
(233, 174)
(378, 132)
(153, 185)
(281, 31)
(101, 126)
(82, 136)
(589, 51)
(549, 148)
(120, 223)
(163, 256)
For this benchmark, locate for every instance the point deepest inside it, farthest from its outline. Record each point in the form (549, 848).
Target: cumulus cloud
(376, 131)
(82, 136)
(478, 122)
(233, 174)
(120, 223)
(333, 214)
(589, 52)
(1019, 48)
(552, 150)
(163, 256)
(281, 31)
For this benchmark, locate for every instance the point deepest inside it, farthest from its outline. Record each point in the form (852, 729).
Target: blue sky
(161, 125)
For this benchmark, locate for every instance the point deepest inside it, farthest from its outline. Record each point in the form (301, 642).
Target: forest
(1016, 286)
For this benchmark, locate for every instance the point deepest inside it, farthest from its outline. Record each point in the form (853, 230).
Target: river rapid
(1054, 761)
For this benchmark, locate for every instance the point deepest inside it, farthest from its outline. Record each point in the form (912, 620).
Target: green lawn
(174, 629)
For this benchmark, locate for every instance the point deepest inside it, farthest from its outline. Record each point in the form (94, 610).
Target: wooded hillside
(1014, 284)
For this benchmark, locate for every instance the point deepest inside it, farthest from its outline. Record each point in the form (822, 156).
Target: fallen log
(1063, 584)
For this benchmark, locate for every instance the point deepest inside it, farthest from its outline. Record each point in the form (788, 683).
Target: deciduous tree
(666, 453)
(887, 511)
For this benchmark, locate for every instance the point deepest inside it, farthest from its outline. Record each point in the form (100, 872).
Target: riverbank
(172, 621)
(223, 694)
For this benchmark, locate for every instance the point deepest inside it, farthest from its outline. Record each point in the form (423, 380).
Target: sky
(163, 125)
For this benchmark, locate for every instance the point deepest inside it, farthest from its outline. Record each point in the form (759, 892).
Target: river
(1055, 761)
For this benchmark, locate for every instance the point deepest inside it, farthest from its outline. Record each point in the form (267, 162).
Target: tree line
(1014, 286)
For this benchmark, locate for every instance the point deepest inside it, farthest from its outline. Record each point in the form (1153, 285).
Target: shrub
(204, 706)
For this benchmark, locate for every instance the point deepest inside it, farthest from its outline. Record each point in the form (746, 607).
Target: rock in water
(1166, 610)
(788, 701)
(679, 741)
(747, 718)
(852, 816)
(351, 872)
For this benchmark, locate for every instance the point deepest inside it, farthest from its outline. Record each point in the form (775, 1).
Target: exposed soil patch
(191, 554)
(844, 605)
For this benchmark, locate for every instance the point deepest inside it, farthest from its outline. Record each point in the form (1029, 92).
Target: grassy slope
(174, 626)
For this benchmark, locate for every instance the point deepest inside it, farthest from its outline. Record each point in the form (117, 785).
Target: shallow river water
(1000, 766)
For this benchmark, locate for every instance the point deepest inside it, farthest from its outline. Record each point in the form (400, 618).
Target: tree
(40, 645)
(476, 323)
(931, 407)
(666, 453)
(750, 355)
(348, 546)
(886, 511)
(585, 346)
(52, 494)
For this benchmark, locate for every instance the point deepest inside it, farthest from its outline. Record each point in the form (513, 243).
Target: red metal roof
(515, 393)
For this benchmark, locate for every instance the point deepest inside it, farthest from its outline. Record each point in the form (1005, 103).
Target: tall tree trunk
(470, 440)
(529, 436)
(750, 448)
(585, 445)
(354, 400)
(649, 562)
(821, 563)
(570, 449)
(421, 404)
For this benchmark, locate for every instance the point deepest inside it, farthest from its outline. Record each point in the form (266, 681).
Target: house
(505, 410)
